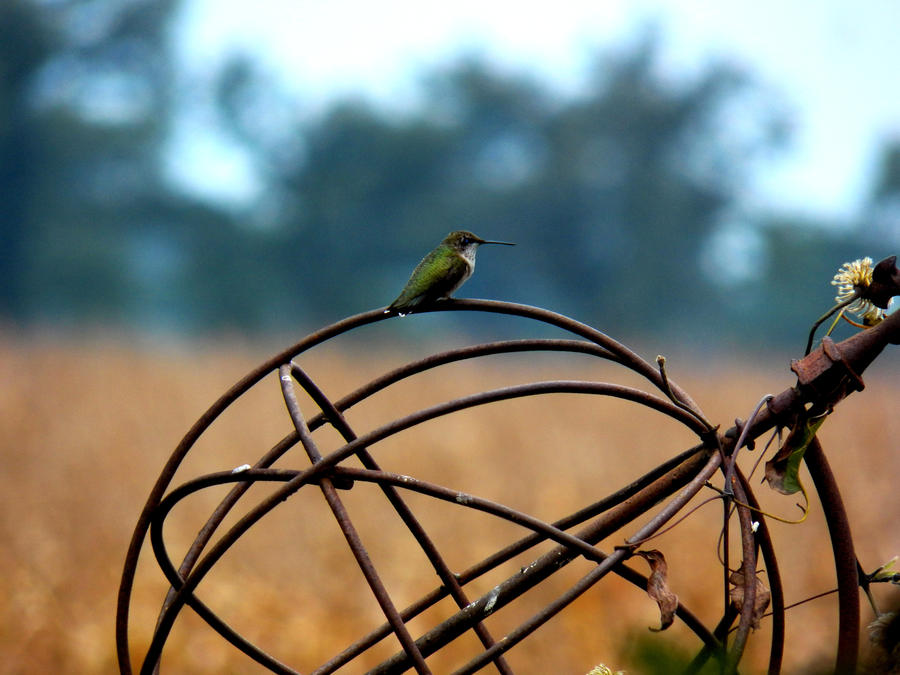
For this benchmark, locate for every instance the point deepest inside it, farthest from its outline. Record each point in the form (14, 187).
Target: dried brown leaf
(736, 596)
(658, 588)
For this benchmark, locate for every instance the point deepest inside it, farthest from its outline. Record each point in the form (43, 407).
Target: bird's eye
(466, 240)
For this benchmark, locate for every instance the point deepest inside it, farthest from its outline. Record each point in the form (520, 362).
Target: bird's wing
(433, 281)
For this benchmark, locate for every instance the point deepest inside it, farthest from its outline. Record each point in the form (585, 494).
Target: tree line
(619, 196)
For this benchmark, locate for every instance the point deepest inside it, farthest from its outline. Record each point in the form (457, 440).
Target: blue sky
(835, 65)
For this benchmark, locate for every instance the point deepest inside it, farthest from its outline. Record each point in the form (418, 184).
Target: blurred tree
(613, 193)
(882, 212)
(91, 227)
(24, 47)
(81, 107)
(100, 213)
(639, 176)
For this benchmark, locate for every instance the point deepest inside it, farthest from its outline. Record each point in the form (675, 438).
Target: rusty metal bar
(349, 530)
(378, 384)
(626, 356)
(767, 548)
(407, 370)
(123, 603)
(619, 555)
(538, 526)
(339, 422)
(825, 377)
(507, 553)
(547, 564)
(321, 468)
(844, 557)
(748, 565)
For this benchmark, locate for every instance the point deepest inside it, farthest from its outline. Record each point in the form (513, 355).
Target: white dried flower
(850, 279)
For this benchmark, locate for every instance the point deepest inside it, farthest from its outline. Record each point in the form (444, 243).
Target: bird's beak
(505, 243)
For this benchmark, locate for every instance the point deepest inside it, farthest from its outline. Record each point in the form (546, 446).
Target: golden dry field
(87, 425)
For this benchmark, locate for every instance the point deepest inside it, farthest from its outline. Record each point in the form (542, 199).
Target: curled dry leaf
(760, 604)
(658, 588)
(884, 633)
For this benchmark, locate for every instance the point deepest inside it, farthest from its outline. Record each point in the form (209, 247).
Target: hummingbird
(441, 272)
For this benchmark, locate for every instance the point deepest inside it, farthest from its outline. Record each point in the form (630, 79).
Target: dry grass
(86, 430)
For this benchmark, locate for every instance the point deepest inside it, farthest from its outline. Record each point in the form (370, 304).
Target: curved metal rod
(249, 477)
(373, 387)
(131, 560)
(526, 628)
(354, 542)
(514, 516)
(504, 555)
(448, 579)
(628, 358)
(378, 384)
(553, 386)
(320, 469)
(610, 347)
(463, 499)
(158, 546)
(686, 476)
(126, 585)
(624, 355)
(748, 565)
(271, 475)
(461, 354)
(844, 557)
(505, 393)
(767, 548)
